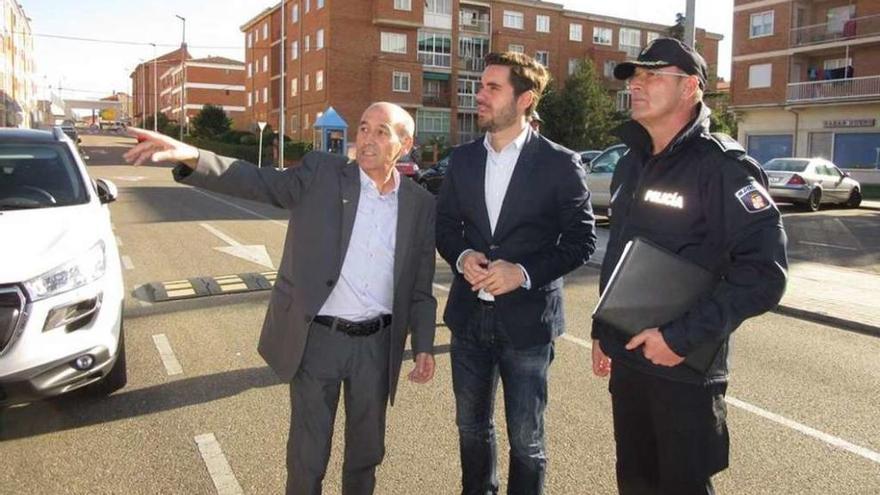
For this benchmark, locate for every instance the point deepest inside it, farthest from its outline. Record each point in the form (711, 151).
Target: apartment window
(650, 36)
(838, 17)
(320, 4)
(608, 68)
(294, 50)
(250, 100)
(393, 42)
(402, 4)
(294, 12)
(257, 62)
(432, 122)
(265, 63)
(306, 121)
(513, 19)
(431, 89)
(250, 40)
(836, 63)
(294, 86)
(250, 68)
(602, 36)
(764, 148)
(576, 32)
(443, 7)
(761, 24)
(468, 86)
(319, 39)
(308, 6)
(623, 101)
(543, 58)
(759, 75)
(265, 95)
(400, 82)
(306, 83)
(265, 30)
(435, 49)
(307, 44)
(319, 80)
(516, 48)
(473, 51)
(256, 96)
(630, 41)
(542, 23)
(294, 122)
(573, 65)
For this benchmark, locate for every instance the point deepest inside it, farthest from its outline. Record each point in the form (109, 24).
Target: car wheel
(855, 198)
(814, 200)
(424, 185)
(118, 376)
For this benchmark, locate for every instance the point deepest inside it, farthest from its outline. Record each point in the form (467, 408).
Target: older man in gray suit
(355, 277)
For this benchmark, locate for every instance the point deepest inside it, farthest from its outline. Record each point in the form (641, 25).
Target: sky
(94, 70)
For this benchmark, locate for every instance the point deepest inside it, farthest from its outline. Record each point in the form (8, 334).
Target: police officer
(699, 196)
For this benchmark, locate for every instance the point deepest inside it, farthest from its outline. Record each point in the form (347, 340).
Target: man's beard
(505, 118)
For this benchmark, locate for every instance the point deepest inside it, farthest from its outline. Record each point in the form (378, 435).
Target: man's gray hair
(401, 120)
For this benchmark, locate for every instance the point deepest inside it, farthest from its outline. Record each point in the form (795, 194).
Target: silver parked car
(811, 182)
(599, 175)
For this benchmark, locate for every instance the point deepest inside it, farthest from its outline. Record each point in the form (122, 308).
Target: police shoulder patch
(754, 198)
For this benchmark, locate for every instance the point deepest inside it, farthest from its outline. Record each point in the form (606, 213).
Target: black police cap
(666, 52)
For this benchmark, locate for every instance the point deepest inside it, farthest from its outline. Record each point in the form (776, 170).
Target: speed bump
(192, 288)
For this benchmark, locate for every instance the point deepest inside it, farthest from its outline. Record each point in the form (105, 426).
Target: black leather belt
(354, 328)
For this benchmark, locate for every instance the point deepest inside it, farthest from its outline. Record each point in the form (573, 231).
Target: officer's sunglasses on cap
(651, 74)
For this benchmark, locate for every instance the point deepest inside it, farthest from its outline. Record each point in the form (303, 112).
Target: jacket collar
(634, 135)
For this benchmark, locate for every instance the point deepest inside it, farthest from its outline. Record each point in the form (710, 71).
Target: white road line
(822, 244)
(238, 207)
(218, 467)
(172, 365)
(441, 287)
(794, 425)
(126, 262)
(118, 241)
(223, 237)
(806, 430)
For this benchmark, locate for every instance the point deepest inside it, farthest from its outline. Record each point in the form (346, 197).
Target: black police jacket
(705, 200)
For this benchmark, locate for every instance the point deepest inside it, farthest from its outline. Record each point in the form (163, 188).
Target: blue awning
(330, 119)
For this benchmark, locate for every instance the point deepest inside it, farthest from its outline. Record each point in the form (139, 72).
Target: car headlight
(83, 270)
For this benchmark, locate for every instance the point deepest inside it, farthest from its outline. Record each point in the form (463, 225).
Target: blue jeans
(479, 357)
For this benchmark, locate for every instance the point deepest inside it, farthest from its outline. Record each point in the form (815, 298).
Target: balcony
(834, 90)
(826, 32)
(471, 64)
(632, 51)
(434, 59)
(436, 100)
(473, 22)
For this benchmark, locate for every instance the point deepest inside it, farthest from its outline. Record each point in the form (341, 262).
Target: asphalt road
(803, 398)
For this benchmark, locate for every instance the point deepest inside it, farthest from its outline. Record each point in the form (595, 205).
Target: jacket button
(330, 283)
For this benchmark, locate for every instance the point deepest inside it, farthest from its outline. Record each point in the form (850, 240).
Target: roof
(217, 60)
(253, 20)
(330, 118)
(27, 135)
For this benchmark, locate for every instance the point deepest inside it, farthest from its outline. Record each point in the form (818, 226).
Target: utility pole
(689, 23)
(182, 121)
(143, 95)
(155, 91)
(282, 82)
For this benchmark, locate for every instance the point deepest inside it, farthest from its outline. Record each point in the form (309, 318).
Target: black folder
(650, 287)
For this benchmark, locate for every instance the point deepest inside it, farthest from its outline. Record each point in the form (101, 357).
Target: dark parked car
(431, 178)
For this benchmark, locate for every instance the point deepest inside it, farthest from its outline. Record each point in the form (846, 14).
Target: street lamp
(182, 77)
(155, 91)
(282, 86)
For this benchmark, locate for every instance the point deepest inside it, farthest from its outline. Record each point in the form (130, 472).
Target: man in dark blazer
(355, 278)
(513, 216)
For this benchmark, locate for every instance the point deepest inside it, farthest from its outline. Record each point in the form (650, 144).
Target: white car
(811, 182)
(61, 288)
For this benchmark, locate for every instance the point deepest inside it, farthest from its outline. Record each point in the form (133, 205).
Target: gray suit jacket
(322, 197)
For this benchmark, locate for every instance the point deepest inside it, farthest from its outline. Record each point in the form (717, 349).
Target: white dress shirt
(365, 288)
(499, 170)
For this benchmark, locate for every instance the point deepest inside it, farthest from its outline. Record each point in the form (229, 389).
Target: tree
(723, 119)
(581, 115)
(677, 30)
(210, 122)
(162, 124)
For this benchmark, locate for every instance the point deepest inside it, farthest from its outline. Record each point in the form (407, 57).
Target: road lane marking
(806, 430)
(441, 287)
(255, 253)
(822, 244)
(242, 208)
(118, 241)
(126, 262)
(218, 467)
(172, 365)
(799, 427)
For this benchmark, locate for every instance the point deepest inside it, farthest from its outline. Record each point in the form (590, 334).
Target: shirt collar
(517, 143)
(368, 184)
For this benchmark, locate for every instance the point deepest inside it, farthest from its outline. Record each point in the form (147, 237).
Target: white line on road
(126, 262)
(239, 207)
(806, 430)
(218, 467)
(223, 237)
(441, 287)
(172, 365)
(822, 244)
(255, 254)
(118, 241)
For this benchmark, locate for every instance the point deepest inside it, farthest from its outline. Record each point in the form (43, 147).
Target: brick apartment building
(143, 91)
(217, 81)
(806, 79)
(18, 99)
(424, 55)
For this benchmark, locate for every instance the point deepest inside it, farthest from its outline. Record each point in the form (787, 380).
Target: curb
(834, 321)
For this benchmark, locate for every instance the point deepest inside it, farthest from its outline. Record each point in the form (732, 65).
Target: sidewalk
(870, 204)
(832, 295)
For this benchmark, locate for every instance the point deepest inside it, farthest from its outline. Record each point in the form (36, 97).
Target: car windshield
(607, 161)
(39, 176)
(786, 165)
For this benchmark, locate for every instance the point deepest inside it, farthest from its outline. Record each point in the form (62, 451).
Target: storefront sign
(829, 124)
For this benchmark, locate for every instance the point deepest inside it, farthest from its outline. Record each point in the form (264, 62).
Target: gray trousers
(359, 364)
